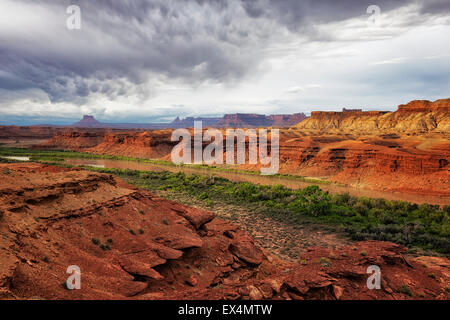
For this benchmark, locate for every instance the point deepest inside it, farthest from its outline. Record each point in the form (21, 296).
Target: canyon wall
(138, 144)
(416, 117)
(385, 163)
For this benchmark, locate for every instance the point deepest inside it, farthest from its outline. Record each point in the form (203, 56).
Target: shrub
(105, 247)
(324, 262)
(406, 290)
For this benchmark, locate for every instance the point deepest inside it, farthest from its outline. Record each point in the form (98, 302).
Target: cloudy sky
(153, 60)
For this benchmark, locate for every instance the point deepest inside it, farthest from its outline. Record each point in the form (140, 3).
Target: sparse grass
(406, 290)
(164, 221)
(105, 246)
(324, 262)
(140, 231)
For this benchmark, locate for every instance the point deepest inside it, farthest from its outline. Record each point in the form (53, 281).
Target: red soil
(49, 216)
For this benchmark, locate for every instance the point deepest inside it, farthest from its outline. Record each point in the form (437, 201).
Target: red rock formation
(88, 122)
(30, 132)
(442, 105)
(286, 120)
(399, 164)
(248, 120)
(148, 144)
(244, 120)
(415, 117)
(74, 140)
(130, 244)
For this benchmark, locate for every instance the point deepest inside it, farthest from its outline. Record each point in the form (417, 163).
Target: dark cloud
(298, 15)
(123, 44)
(438, 7)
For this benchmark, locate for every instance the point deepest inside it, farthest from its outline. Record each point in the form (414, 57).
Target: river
(289, 182)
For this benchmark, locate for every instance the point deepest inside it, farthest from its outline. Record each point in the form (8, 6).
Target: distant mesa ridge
(418, 116)
(237, 120)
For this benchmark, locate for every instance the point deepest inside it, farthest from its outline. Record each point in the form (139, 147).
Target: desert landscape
(218, 159)
(138, 244)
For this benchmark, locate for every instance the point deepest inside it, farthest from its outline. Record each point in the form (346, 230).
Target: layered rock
(147, 144)
(416, 117)
(388, 163)
(130, 244)
(74, 140)
(248, 120)
(28, 132)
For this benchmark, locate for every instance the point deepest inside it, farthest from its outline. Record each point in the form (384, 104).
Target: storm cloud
(132, 48)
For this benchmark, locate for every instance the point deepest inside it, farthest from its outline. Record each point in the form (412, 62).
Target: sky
(153, 60)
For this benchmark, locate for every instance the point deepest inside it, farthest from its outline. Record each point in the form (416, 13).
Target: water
(288, 182)
(16, 158)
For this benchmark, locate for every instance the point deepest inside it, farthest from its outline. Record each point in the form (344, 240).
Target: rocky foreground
(130, 244)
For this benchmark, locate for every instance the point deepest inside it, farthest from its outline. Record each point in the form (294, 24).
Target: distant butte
(88, 122)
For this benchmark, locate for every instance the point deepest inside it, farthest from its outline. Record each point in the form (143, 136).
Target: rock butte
(49, 217)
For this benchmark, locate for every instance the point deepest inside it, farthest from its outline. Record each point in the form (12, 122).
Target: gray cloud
(438, 7)
(126, 46)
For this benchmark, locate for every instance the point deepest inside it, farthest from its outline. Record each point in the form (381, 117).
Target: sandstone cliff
(415, 117)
